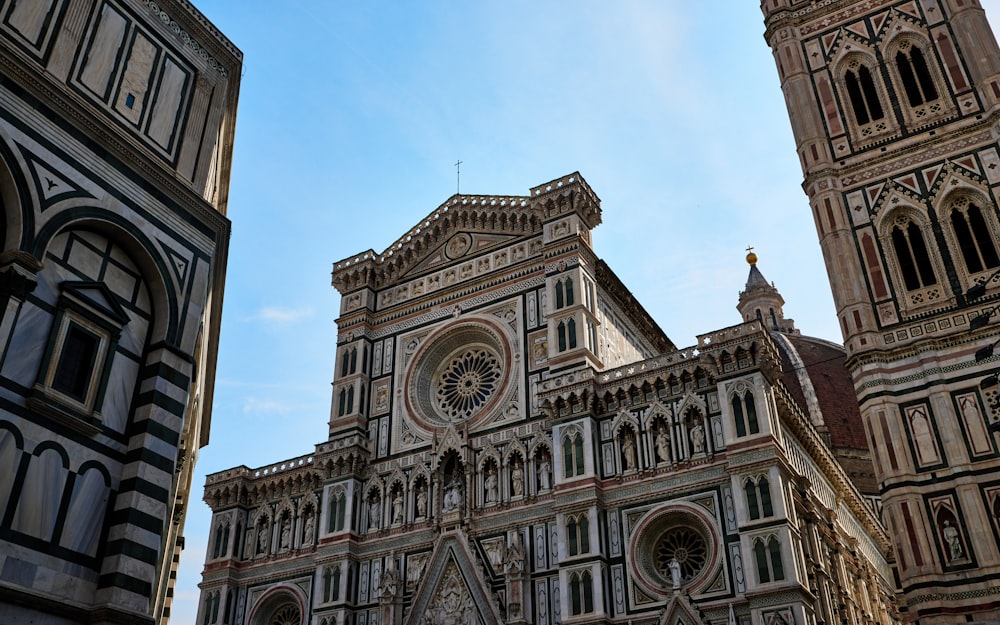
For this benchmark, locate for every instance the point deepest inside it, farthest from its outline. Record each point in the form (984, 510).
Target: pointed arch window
(745, 414)
(915, 76)
(335, 516)
(741, 424)
(758, 498)
(767, 556)
(911, 252)
(751, 410)
(578, 534)
(581, 593)
(569, 291)
(573, 455)
(863, 95)
(561, 332)
(974, 239)
(560, 297)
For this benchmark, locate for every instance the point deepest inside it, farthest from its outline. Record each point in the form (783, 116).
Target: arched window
(335, 518)
(573, 455)
(350, 399)
(974, 239)
(768, 559)
(578, 534)
(751, 412)
(335, 591)
(354, 359)
(560, 299)
(364, 360)
(561, 332)
(221, 540)
(345, 362)
(361, 400)
(915, 76)
(327, 584)
(741, 425)
(581, 593)
(342, 403)
(863, 95)
(571, 333)
(569, 291)
(764, 488)
(911, 252)
(753, 507)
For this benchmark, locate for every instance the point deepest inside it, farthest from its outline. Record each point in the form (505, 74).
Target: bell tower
(895, 109)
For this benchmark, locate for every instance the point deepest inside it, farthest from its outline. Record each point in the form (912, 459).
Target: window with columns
(581, 593)
(767, 555)
(573, 454)
(577, 534)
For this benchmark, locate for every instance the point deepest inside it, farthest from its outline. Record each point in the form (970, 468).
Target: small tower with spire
(759, 299)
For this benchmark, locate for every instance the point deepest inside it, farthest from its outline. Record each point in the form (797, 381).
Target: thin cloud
(265, 406)
(283, 315)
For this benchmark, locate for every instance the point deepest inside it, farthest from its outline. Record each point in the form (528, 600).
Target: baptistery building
(513, 439)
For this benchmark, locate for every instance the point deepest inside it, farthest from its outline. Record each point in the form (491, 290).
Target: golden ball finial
(751, 257)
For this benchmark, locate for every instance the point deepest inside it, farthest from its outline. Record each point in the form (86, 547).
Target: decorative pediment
(453, 590)
(450, 440)
(679, 611)
(690, 401)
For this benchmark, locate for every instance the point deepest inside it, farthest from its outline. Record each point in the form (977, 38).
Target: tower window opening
(863, 95)
(974, 240)
(916, 77)
(911, 252)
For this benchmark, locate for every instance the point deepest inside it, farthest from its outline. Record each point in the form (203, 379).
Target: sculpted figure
(675, 573)
(262, 537)
(491, 485)
(374, 514)
(950, 534)
(628, 451)
(545, 474)
(397, 507)
(663, 445)
(286, 533)
(421, 501)
(698, 439)
(517, 479)
(307, 533)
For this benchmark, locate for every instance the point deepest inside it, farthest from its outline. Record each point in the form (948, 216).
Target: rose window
(286, 615)
(684, 545)
(467, 382)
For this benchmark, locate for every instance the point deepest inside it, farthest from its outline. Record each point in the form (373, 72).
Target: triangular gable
(452, 589)
(455, 248)
(97, 297)
(692, 401)
(679, 611)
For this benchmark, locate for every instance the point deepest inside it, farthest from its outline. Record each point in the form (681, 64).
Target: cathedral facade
(116, 129)
(513, 439)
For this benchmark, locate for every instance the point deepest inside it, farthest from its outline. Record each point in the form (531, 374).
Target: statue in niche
(286, 532)
(248, 543)
(397, 507)
(950, 534)
(374, 514)
(390, 580)
(494, 551)
(628, 450)
(545, 474)
(517, 478)
(421, 501)
(262, 536)
(698, 438)
(310, 529)
(663, 444)
(491, 485)
(415, 570)
(452, 497)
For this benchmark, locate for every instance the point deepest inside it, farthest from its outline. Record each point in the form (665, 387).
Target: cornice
(126, 150)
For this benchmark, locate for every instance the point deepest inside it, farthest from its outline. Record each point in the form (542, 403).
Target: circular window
(681, 532)
(459, 374)
(466, 382)
(286, 615)
(684, 545)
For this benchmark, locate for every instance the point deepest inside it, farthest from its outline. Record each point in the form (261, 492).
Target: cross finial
(458, 176)
(749, 248)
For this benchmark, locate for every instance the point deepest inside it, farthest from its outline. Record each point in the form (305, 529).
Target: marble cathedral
(116, 129)
(514, 440)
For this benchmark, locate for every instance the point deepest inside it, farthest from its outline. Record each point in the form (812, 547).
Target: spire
(761, 300)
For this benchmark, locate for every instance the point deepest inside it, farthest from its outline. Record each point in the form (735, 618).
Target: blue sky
(352, 115)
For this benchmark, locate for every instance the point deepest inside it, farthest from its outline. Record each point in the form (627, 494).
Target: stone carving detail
(452, 604)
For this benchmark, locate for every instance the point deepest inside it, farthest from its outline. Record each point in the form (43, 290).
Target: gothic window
(862, 94)
(560, 296)
(581, 593)
(342, 403)
(221, 540)
(573, 455)
(577, 535)
(911, 252)
(758, 498)
(564, 293)
(561, 332)
(331, 583)
(751, 412)
(916, 78)
(745, 414)
(286, 615)
(569, 291)
(767, 556)
(974, 238)
(361, 400)
(335, 518)
(211, 608)
(741, 424)
(571, 333)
